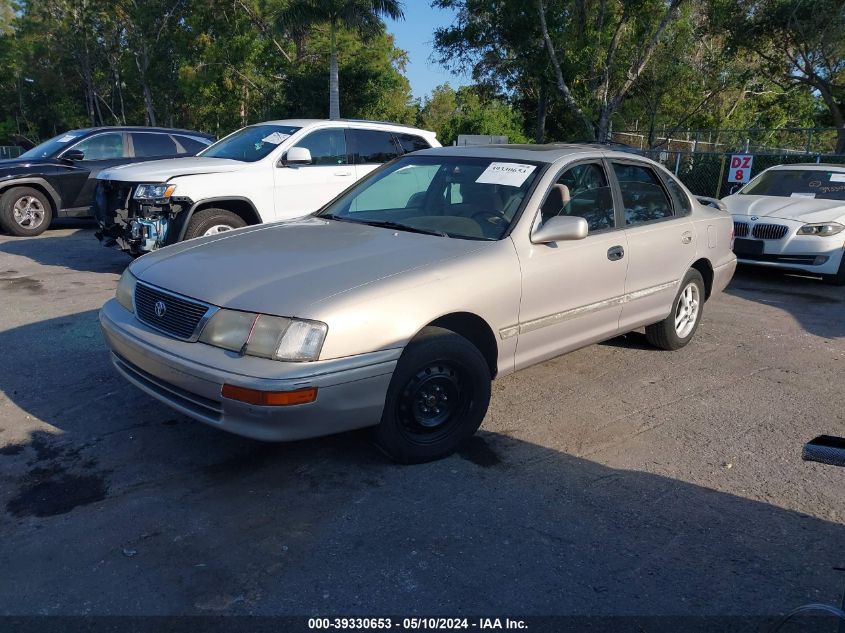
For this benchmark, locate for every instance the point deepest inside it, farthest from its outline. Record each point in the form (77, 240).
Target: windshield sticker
(510, 174)
(796, 194)
(275, 138)
(837, 178)
(66, 138)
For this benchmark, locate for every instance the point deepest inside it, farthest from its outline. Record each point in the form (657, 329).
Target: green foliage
(470, 111)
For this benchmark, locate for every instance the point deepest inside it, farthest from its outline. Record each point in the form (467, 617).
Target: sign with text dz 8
(740, 170)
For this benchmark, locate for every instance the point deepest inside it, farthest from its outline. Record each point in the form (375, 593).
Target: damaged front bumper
(136, 226)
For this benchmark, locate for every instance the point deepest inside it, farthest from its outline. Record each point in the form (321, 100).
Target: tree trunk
(334, 84)
(603, 125)
(149, 110)
(840, 140)
(542, 110)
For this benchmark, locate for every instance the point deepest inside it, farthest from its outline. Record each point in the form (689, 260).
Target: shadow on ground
(817, 306)
(79, 250)
(120, 506)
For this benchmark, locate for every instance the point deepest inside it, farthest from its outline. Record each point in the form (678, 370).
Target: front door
(303, 189)
(78, 181)
(660, 243)
(572, 290)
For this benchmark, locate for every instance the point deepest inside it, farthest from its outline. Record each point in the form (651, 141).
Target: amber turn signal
(269, 398)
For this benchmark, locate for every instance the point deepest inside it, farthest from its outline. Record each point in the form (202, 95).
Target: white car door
(302, 189)
(370, 149)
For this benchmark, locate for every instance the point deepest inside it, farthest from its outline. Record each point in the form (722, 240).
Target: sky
(415, 34)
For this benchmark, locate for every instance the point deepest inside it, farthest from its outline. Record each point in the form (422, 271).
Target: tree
(802, 43)
(362, 17)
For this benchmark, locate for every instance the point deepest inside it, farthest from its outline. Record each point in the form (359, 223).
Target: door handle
(343, 173)
(686, 237)
(615, 253)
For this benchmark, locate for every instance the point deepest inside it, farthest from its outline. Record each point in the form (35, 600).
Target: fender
(190, 212)
(55, 198)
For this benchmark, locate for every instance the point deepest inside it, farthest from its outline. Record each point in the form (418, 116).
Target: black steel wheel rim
(432, 403)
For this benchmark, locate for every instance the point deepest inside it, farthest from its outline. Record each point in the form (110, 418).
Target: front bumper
(189, 377)
(804, 253)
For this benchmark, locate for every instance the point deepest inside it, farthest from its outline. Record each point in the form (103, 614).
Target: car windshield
(798, 183)
(251, 143)
(55, 145)
(455, 196)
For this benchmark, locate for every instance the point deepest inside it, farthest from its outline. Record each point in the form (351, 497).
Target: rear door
(660, 235)
(101, 150)
(371, 148)
(302, 189)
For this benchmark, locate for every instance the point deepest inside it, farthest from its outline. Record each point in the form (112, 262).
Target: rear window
(149, 144)
(412, 142)
(372, 146)
(189, 145)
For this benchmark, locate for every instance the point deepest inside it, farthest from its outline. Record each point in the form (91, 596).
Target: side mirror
(297, 156)
(712, 202)
(560, 228)
(73, 155)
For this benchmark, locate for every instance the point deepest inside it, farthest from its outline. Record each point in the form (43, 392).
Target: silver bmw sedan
(397, 304)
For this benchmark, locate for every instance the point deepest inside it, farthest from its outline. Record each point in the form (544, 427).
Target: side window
(644, 197)
(327, 147)
(679, 193)
(582, 191)
(188, 145)
(411, 142)
(102, 146)
(372, 146)
(147, 144)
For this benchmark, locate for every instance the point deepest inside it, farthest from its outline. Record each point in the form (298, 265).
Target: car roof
(302, 123)
(547, 153)
(812, 166)
(140, 128)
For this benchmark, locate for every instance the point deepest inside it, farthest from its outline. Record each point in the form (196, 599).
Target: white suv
(269, 171)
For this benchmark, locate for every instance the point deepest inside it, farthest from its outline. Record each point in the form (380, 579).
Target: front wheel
(212, 222)
(438, 397)
(678, 328)
(25, 212)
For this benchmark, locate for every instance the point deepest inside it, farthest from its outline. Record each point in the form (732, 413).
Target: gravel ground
(615, 480)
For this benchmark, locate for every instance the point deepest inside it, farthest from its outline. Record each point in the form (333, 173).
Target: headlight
(154, 192)
(125, 293)
(265, 336)
(822, 229)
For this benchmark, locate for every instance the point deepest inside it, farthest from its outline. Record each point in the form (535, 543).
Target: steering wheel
(496, 218)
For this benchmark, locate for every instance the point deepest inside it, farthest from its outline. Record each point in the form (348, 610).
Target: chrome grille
(769, 231)
(180, 317)
(740, 229)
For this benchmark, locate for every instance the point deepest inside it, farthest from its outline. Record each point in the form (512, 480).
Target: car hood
(164, 170)
(283, 268)
(799, 209)
(17, 164)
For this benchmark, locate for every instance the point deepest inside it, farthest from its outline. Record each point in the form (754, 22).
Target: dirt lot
(615, 480)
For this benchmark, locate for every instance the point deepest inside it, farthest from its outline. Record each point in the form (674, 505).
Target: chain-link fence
(10, 151)
(788, 140)
(706, 174)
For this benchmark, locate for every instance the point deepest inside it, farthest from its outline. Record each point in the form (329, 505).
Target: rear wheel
(212, 221)
(678, 328)
(837, 278)
(25, 212)
(437, 398)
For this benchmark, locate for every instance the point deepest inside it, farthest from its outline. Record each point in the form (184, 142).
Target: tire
(437, 399)
(206, 221)
(25, 212)
(666, 334)
(837, 278)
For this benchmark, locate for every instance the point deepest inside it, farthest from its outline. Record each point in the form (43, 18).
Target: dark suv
(57, 178)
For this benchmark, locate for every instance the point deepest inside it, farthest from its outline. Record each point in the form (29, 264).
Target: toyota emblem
(160, 308)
